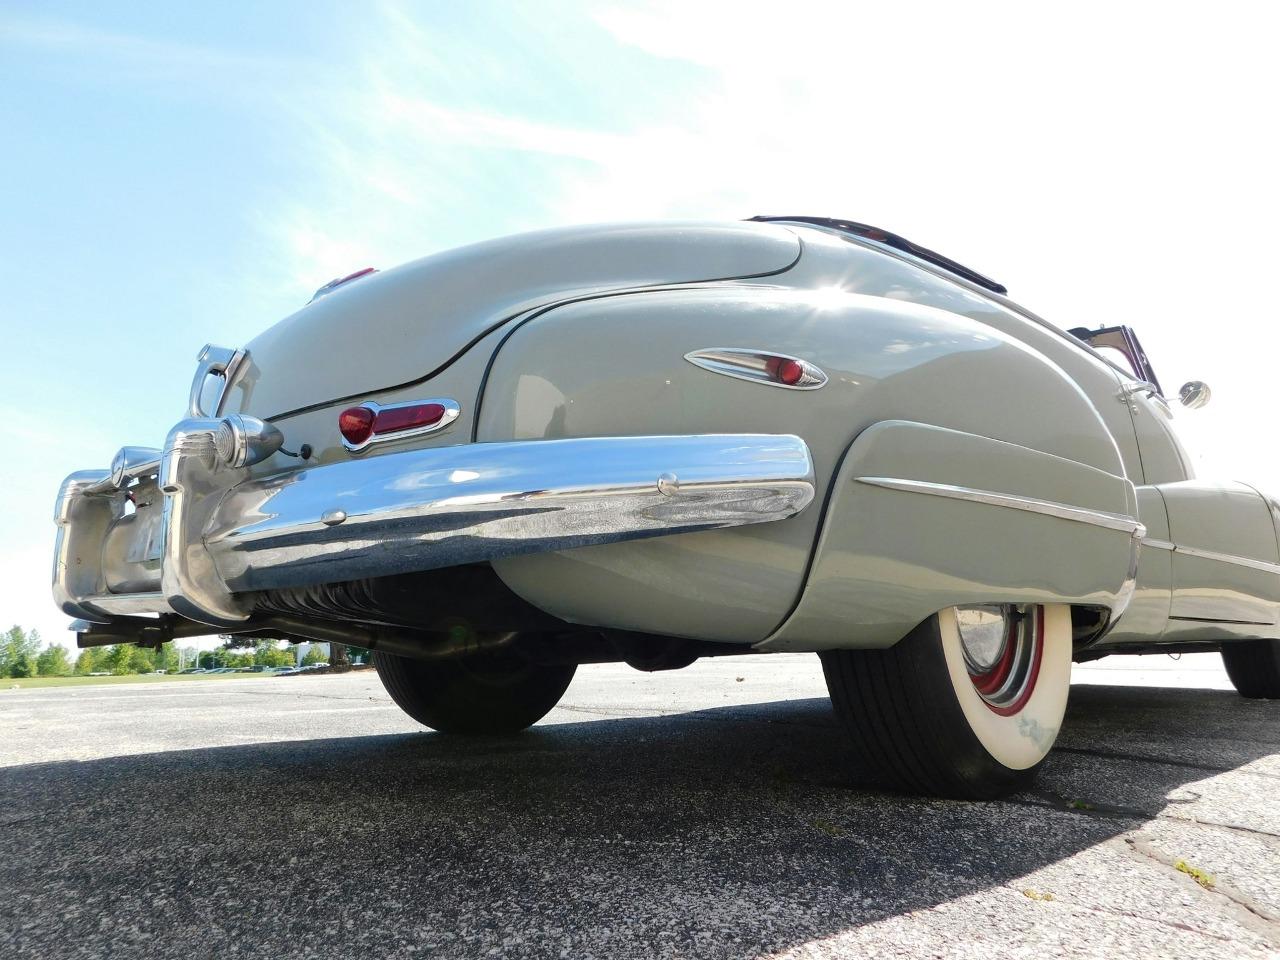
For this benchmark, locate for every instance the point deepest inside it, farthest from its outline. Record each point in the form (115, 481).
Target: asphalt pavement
(709, 812)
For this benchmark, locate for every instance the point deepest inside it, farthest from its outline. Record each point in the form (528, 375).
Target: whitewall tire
(967, 705)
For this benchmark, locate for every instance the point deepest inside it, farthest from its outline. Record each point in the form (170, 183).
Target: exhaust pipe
(416, 644)
(144, 631)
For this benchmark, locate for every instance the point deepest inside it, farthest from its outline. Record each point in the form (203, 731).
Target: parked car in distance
(651, 443)
(295, 671)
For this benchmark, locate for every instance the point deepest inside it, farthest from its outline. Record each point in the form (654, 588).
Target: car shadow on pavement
(727, 832)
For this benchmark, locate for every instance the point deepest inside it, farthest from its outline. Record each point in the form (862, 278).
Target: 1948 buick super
(652, 443)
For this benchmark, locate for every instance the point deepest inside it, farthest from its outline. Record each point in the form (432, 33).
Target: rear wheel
(967, 705)
(1254, 668)
(491, 693)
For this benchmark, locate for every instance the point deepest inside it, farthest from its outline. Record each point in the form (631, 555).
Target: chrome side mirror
(1194, 394)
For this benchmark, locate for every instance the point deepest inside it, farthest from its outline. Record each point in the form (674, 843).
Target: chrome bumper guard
(204, 537)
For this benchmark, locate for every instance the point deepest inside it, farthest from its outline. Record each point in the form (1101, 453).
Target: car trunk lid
(404, 325)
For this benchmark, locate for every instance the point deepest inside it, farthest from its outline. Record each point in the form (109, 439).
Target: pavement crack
(1165, 761)
(611, 712)
(1251, 913)
(1230, 827)
(1163, 921)
(1047, 799)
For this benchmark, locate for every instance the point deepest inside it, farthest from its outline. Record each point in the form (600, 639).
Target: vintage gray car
(653, 443)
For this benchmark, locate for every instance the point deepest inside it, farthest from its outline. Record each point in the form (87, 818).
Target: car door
(1222, 544)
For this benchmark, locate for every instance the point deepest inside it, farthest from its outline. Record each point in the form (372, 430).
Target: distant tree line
(22, 655)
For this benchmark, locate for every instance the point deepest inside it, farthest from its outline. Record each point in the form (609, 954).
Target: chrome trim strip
(124, 604)
(1245, 623)
(1129, 390)
(443, 506)
(1063, 511)
(193, 480)
(751, 365)
(83, 522)
(1231, 558)
(451, 411)
(220, 361)
(1264, 565)
(127, 465)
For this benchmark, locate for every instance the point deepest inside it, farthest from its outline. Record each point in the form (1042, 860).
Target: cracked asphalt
(710, 812)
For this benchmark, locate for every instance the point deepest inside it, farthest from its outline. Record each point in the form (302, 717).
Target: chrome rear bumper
(206, 537)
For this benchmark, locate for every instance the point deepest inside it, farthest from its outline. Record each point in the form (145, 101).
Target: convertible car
(653, 443)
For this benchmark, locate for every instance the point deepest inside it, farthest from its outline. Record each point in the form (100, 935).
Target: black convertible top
(898, 243)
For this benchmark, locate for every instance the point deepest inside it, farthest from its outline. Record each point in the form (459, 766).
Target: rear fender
(616, 367)
(921, 518)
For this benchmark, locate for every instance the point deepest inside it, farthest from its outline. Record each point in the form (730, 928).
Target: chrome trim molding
(1051, 508)
(1132, 389)
(752, 365)
(451, 411)
(1243, 623)
(83, 521)
(443, 506)
(1264, 565)
(242, 441)
(127, 465)
(193, 479)
(126, 604)
(224, 533)
(1124, 596)
(223, 362)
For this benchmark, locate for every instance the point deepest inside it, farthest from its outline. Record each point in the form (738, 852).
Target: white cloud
(1110, 164)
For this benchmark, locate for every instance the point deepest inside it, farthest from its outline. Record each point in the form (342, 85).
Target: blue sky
(174, 174)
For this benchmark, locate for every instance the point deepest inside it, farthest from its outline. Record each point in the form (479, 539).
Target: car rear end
(339, 445)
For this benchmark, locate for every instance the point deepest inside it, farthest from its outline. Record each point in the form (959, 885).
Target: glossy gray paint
(885, 359)
(582, 333)
(398, 326)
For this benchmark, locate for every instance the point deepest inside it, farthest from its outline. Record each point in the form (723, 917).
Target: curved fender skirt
(921, 518)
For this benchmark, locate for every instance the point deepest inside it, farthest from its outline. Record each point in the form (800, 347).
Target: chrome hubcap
(1002, 645)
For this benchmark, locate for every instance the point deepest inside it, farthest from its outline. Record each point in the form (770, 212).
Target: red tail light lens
(371, 422)
(395, 419)
(356, 425)
(761, 366)
(785, 370)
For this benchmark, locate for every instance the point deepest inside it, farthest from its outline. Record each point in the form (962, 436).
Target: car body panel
(1226, 566)
(1147, 615)
(1164, 458)
(834, 261)
(884, 358)
(582, 333)
(890, 556)
(403, 324)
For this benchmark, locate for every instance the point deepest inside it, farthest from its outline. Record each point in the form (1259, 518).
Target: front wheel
(967, 705)
(490, 693)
